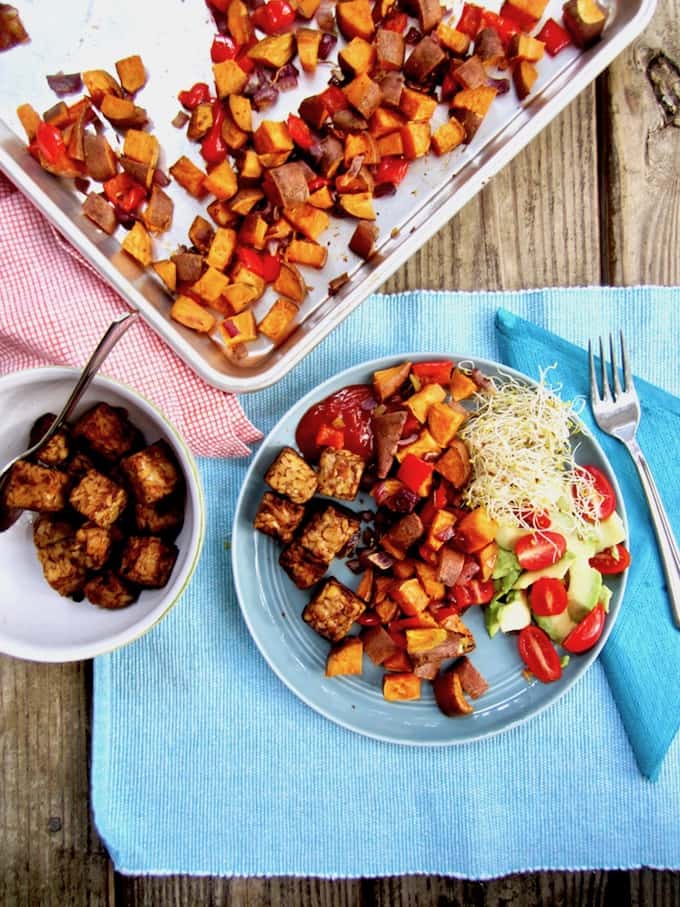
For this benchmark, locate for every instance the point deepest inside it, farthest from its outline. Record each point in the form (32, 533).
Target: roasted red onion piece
(65, 83)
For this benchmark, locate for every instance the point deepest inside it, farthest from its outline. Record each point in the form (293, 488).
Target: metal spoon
(113, 334)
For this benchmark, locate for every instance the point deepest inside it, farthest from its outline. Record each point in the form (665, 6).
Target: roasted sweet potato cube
(278, 322)
(100, 161)
(417, 106)
(314, 111)
(100, 212)
(292, 476)
(399, 663)
(286, 186)
(306, 219)
(147, 561)
(448, 693)
(34, 487)
(290, 282)
(30, 119)
(440, 528)
(424, 445)
(355, 19)
(233, 136)
(121, 112)
(158, 214)
(478, 100)
(240, 328)
(469, 120)
(238, 296)
(378, 644)
(410, 596)
(98, 498)
(241, 111)
(401, 687)
(142, 147)
(253, 231)
(322, 198)
(358, 204)
(391, 145)
(278, 517)
(229, 78)
(447, 137)
(444, 420)
(584, 20)
(107, 431)
(429, 13)
(99, 83)
(428, 576)
(308, 40)
(189, 266)
(211, 285)
(333, 610)
(420, 402)
(389, 50)
(422, 640)
(201, 233)
(476, 530)
(452, 39)
(363, 239)
(238, 22)
(138, 244)
(364, 144)
(221, 181)
(387, 381)
(345, 657)
(416, 139)
(358, 56)
(245, 200)
(271, 136)
(274, 51)
(307, 8)
(385, 121)
(201, 121)
(222, 248)
(532, 9)
(189, 313)
(108, 590)
(363, 93)
(524, 47)
(462, 386)
(454, 464)
(189, 176)
(340, 473)
(425, 58)
(131, 73)
(471, 680)
(489, 48)
(303, 252)
(524, 74)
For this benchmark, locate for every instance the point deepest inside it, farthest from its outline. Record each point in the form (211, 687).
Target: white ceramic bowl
(35, 621)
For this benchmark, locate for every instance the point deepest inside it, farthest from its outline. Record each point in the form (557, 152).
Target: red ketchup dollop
(350, 407)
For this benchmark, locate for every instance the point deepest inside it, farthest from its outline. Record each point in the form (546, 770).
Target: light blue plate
(272, 606)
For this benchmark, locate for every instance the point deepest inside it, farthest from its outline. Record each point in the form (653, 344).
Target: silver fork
(617, 413)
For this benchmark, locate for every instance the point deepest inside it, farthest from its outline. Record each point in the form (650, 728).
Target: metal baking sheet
(174, 39)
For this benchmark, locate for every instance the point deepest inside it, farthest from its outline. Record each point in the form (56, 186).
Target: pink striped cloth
(54, 309)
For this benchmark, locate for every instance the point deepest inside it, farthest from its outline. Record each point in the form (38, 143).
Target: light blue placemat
(203, 762)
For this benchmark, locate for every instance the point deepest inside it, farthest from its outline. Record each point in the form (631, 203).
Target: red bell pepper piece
(449, 87)
(525, 21)
(213, 146)
(395, 22)
(506, 28)
(317, 182)
(433, 372)
(124, 192)
(274, 17)
(327, 436)
(428, 512)
(416, 474)
(197, 94)
(300, 132)
(470, 20)
(462, 597)
(398, 637)
(223, 48)
(50, 143)
(334, 99)
(368, 619)
(220, 5)
(391, 170)
(410, 623)
(440, 614)
(261, 263)
(554, 37)
(440, 496)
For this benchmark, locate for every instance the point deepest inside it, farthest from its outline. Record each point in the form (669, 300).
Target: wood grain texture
(49, 849)
(535, 224)
(640, 146)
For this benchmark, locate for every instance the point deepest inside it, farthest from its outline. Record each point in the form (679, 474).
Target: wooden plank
(275, 892)
(534, 225)
(641, 148)
(49, 850)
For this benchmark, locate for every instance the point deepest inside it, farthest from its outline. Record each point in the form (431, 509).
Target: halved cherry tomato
(223, 48)
(275, 16)
(433, 372)
(124, 192)
(197, 94)
(327, 436)
(586, 633)
(604, 499)
(611, 560)
(300, 132)
(538, 519)
(539, 654)
(391, 170)
(368, 619)
(395, 22)
(548, 596)
(50, 142)
(540, 549)
(481, 591)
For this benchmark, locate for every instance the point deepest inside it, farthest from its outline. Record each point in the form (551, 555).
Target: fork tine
(614, 368)
(606, 393)
(627, 376)
(594, 389)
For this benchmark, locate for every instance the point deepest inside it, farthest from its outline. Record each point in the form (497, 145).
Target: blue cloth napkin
(642, 656)
(203, 762)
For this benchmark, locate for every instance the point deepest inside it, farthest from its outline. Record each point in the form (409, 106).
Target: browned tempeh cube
(147, 561)
(48, 529)
(333, 610)
(34, 487)
(279, 517)
(98, 498)
(108, 590)
(62, 566)
(340, 472)
(301, 566)
(95, 543)
(292, 476)
(57, 449)
(161, 518)
(328, 532)
(152, 472)
(107, 431)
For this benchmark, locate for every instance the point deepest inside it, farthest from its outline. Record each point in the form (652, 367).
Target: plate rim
(317, 393)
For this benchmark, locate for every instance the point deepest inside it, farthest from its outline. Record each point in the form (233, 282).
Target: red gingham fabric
(54, 309)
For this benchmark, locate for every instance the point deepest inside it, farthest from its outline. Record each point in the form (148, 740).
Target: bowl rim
(79, 652)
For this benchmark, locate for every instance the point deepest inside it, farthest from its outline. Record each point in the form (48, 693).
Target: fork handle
(670, 555)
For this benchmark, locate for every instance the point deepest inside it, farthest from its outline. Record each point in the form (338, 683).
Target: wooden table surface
(595, 199)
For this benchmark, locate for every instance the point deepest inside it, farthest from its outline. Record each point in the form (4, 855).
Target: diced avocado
(508, 536)
(605, 597)
(557, 626)
(585, 584)
(491, 619)
(566, 525)
(609, 532)
(515, 615)
(557, 571)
